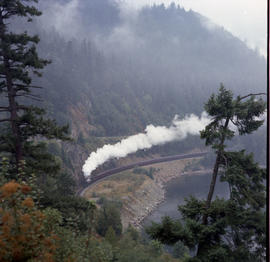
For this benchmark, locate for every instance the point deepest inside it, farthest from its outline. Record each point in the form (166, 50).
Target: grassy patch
(117, 186)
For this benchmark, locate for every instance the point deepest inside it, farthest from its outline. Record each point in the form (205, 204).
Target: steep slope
(112, 72)
(130, 72)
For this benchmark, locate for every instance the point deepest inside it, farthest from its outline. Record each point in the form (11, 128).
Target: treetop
(9, 8)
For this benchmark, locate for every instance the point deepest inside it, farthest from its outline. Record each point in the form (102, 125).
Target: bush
(23, 234)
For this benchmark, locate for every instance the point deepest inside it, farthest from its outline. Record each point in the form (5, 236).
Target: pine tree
(225, 110)
(23, 124)
(246, 207)
(225, 230)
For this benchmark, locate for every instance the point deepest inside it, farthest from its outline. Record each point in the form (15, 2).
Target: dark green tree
(225, 110)
(246, 217)
(23, 124)
(225, 230)
(242, 113)
(109, 216)
(179, 250)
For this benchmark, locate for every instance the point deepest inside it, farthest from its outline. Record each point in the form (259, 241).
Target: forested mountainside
(114, 71)
(117, 72)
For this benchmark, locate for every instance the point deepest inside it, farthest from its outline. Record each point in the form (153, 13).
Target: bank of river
(145, 199)
(181, 187)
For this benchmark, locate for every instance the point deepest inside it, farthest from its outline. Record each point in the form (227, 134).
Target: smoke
(154, 135)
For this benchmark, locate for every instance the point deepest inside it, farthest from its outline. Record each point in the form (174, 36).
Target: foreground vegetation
(70, 231)
(219, 229)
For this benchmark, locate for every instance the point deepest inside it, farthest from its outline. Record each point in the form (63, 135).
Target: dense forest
(104, 73)
(113, 73)
(118, 71)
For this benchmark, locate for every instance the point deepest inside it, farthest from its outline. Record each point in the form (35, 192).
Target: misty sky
(246, 19)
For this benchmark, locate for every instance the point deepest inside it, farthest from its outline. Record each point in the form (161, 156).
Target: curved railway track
(113, 171)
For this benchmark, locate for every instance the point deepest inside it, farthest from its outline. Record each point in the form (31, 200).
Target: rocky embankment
(152, 193)
(139, 194)
(139, 205)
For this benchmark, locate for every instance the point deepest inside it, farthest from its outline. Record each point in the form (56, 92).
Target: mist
(159, 41)
(116, 70)
(119, 69)
(153, 135)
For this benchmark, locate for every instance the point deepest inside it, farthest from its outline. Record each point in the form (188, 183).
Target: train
(116, 170)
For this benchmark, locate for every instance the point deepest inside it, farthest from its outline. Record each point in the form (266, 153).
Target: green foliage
(65, 184)
(224, 109)
(180, 250)
(167, 232)
(148, 172)
(109, 216)
(100, 251)
(225, 230)
(23, 124)
(133, 233)
(247, 207)
(132, 249)
(111, 236)
(28, 233)
(230, 230)
(76, 212)
(156, 247)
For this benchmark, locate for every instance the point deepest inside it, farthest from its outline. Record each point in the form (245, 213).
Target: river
(181, 187)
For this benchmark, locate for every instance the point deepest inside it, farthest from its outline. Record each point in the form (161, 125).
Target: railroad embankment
(140, 192)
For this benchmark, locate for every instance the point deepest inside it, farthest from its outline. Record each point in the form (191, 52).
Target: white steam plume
(154, 135)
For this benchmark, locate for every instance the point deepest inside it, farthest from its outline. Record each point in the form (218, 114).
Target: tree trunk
(13, 114)
(212, 186)
(213, 181)
(11, 93)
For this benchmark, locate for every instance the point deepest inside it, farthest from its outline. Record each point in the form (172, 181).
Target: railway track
(113, 171)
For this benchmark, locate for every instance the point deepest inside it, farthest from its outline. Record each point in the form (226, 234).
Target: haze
(246, 19)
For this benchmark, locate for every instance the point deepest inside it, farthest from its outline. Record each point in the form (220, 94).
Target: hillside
(118, 76)
(118, 72)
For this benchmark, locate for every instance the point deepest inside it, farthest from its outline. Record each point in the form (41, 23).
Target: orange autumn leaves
(28, 202)
(22, 233)
(9, 189)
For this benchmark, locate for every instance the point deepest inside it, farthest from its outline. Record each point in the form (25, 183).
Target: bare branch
(28, 95)
(22, 86)
(233, 122)
(4, 108)
(33, 97)
(5, 120)
(258, 94)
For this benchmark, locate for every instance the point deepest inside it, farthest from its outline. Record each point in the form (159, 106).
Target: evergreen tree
(246, 217)
(225, 110)
(109, 216)
(23, 123)
(225, 230)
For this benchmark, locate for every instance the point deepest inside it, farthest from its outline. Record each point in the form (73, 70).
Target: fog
(157, 41)
(121, 69)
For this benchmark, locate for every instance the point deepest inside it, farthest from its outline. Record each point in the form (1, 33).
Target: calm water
(179, 188)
